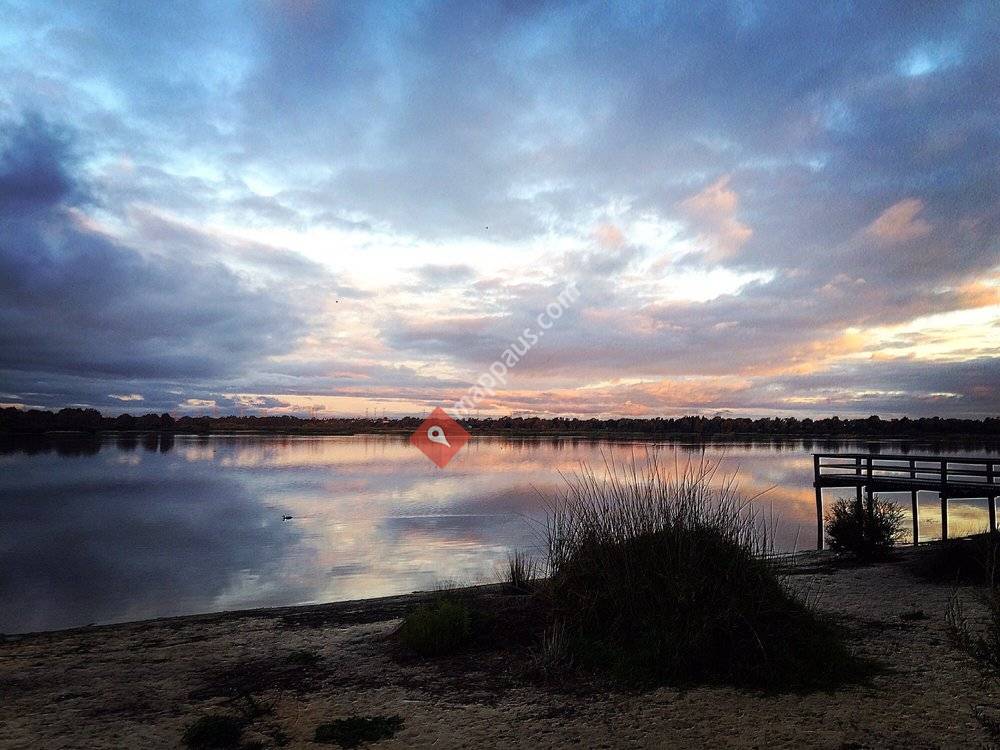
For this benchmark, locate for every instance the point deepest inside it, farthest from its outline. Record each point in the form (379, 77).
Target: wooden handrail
(910, 456)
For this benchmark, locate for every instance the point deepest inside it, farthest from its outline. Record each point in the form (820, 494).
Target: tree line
(37, 421)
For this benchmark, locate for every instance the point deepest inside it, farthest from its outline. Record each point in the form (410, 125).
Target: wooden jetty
(947, 476)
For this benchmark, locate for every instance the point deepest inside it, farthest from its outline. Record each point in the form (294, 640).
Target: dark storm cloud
(33, 164)
(74, 302)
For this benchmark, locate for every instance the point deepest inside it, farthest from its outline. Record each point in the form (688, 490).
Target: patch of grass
(520, 573)
(866, 530)
(442, 628)
(214, 731)
(983, 644)
(255, 676)
(972, 560)
(303, 658)
(353, 731)
(668, 578)
(553, 654)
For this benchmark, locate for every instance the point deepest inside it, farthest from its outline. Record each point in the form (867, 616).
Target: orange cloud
(609, 236)
(979, 294)
(899, 222)
(713, 212)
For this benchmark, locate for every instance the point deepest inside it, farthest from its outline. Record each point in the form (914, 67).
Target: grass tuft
(520, 574)
(353, 731)
(659, 577)
(983, 644)
(437, 630)
(214, 732)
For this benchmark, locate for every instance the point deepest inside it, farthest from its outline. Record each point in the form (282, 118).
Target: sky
(347, 208)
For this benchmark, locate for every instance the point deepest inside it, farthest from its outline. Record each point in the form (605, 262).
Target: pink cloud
(713, 213)
(899, 222)
(609, 236)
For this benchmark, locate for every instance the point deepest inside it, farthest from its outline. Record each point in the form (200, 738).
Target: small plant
(868, 530)
(353, 731)
(213, 732)
(520, 573)
(437, 630)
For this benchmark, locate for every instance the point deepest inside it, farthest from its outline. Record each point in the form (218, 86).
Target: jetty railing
(948, 476)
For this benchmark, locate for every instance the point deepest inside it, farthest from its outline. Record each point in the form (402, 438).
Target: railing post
(913, 505)
(944, 499)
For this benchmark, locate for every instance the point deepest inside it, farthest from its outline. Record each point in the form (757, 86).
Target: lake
(137, 526)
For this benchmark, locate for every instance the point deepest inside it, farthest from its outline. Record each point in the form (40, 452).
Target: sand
(139, 685)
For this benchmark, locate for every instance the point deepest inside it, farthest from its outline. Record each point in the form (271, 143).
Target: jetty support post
(819, 504)
(944, 499)
(869, 495)
(857, 489)
(914, 506)
(992, 499)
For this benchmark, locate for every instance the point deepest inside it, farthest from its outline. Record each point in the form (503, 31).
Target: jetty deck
(946, 476)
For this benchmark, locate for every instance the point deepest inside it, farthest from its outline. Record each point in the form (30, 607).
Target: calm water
(138, 527)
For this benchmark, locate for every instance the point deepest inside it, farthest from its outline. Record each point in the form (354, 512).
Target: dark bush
(669, 579)
(868, 529)
(214, 732)
(437, 630)
(357, 729)
(972, 560)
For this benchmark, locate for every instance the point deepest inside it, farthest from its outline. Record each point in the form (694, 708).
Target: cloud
(367, 202)
(609, 236)
(900, 223)
(34, 156)
(74, 302)
(434, 275)
(713, 213)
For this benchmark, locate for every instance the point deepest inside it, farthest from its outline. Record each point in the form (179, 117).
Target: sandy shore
(139, 685)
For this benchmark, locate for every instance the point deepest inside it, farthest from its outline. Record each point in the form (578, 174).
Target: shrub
(520, 574)
(973, 560)
(357, 729)
(659, 578)
(442, 628)
(867, 530)
(213, 731)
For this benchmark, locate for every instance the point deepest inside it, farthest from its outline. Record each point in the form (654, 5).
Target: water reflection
(136, 526)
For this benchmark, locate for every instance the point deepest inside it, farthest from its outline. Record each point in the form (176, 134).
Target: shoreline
(348, 611)
(139, 684)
